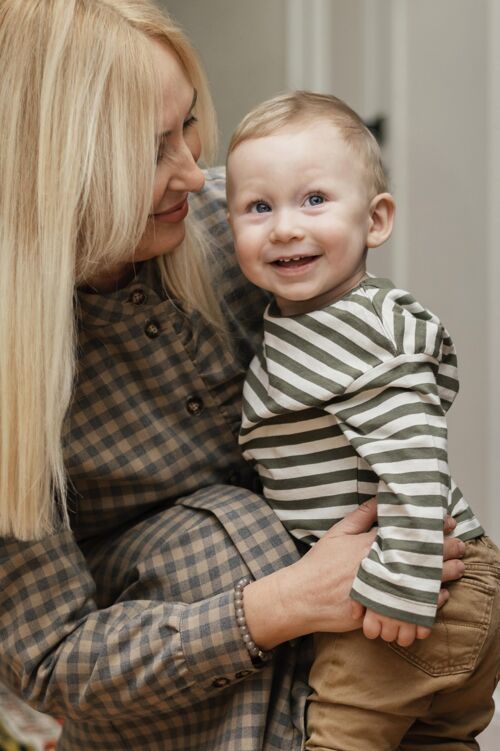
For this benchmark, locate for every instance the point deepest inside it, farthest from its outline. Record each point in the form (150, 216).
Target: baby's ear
(382, 209)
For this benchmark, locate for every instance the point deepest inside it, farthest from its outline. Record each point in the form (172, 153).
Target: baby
(346, 400)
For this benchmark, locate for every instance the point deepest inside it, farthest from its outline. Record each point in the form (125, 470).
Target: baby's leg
(357, 702)
(465, 706)
(374, 696)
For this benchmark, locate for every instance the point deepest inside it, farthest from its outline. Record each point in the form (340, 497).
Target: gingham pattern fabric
(348, 402)
(126, 628)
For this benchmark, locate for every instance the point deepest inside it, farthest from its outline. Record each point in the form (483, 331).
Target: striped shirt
(348, 402)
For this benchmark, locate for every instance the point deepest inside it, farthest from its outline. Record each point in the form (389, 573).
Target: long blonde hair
(79, 105)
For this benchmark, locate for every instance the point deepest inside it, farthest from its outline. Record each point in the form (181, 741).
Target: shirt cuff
(212, 645)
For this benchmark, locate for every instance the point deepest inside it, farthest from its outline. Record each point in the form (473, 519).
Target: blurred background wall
(431, 70)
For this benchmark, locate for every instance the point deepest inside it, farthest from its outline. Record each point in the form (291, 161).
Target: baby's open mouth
(295, 261)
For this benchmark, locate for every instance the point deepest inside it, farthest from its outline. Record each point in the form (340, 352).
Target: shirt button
(137, 296)
(152, 329)
(220, 682)
(194, 405)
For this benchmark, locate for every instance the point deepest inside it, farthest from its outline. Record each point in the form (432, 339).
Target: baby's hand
(389, 629)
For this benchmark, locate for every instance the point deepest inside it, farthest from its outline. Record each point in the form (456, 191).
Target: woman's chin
(160, 240)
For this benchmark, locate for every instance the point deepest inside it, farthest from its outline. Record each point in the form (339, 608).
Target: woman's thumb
(360, 520)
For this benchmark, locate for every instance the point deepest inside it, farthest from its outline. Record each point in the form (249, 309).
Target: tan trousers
(372, 696)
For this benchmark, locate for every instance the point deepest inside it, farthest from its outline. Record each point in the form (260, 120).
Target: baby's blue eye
(260, 207)
(315, 200)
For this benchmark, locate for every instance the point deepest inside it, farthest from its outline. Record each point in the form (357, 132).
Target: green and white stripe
(347, 402)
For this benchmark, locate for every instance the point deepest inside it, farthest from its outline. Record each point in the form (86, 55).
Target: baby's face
(299, 208)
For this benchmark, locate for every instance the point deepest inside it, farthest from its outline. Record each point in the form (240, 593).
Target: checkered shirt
(125, 627)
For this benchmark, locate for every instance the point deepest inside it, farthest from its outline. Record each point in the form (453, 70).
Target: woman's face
(177, 172)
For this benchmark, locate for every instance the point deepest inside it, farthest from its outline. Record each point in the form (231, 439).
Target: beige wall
(446, 232)
(242, 45)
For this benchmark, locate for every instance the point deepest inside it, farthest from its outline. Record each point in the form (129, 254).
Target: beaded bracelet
(257, 655)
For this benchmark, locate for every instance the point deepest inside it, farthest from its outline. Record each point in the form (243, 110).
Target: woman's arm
(172, 640)
(164, 639)
(131, 660)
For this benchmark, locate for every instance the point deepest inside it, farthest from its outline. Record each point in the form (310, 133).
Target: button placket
(137, 296)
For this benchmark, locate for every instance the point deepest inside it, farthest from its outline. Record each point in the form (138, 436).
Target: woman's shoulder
(209, 205)
(242, 303)
(209, 211)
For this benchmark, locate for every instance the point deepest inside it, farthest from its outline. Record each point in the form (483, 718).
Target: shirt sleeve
(394, 417)
(69, 659)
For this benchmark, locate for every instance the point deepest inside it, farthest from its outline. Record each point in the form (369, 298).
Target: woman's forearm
(71, 659)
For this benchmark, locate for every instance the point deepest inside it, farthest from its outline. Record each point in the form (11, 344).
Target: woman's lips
(176, 214)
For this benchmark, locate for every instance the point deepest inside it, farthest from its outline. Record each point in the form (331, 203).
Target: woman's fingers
(453, 548)
(443, 597)
(449, 524)
(453, 567)
(452, 570)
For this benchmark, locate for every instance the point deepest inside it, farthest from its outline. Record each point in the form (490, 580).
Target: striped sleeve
(394, 417)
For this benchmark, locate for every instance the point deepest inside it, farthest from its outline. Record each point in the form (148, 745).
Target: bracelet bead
(257, 655)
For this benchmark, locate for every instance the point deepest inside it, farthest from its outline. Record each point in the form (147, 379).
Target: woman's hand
(313, 594)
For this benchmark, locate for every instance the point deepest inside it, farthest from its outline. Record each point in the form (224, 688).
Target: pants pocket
(464, 621)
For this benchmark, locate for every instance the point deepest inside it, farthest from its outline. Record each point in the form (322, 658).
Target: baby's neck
(300, 307)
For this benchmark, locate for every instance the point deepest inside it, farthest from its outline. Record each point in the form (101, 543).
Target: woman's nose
(286, 228)
(187, 176)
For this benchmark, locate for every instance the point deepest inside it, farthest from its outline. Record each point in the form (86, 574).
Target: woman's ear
(382, 210)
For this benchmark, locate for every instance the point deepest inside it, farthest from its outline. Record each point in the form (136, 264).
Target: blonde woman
(128, 526)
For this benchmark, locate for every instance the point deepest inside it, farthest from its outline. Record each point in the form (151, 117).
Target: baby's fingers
(407, 634)
(372, 627)
(423, 632)
(357, 610)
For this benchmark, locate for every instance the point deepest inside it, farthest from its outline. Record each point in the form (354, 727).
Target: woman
(117, 607)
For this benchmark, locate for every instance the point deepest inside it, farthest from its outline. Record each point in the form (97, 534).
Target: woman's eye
(315, 200)
(260, 207)
(190, 121)
(162, 150)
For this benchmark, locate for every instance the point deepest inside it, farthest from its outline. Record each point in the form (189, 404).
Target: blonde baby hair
(305, 107)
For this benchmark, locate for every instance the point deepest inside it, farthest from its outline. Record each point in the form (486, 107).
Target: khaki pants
(372, 696)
